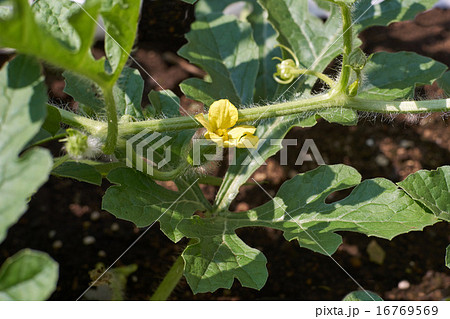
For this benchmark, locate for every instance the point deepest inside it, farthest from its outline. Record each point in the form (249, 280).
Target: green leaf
(265, 37)
(80, 171)
(432, 189)
(444, 82)
(189, 1)
(390, 76)
(315, 43)
(376, 207)
(66, 33)
(165, 103)
(137, 198)
(52, 121)
(23, 98)
(83, 91)
(128, 93)
(29, 275)
(215, 261)
(362, 295)
(229, 55)
(386, 12)
(447, 256)
(121, 20)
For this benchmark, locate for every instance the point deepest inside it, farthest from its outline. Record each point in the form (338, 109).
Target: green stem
(48, 139)
(347, 36)
(170, 281)
(93, 127)
(262, 112)
(320, 75)
(111, 115)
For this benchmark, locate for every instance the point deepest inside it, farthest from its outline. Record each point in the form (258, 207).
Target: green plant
(273, 96)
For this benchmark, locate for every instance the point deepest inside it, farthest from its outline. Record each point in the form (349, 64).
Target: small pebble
(101, 253)
(52, 234)
(57, 244)
(115, 227)
(404, 284)
(406, 144)
(370, 142)
(95, 215)
(382, 160)
(88, 240)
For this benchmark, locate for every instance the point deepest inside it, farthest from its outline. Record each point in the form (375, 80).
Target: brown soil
(63, 212)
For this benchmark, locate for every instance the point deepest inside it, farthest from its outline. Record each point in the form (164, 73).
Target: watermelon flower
(221, 129)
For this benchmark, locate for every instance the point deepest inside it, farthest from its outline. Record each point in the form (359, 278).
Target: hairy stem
(170, 281)
(316, 103)
(111, 114)
(347, 36)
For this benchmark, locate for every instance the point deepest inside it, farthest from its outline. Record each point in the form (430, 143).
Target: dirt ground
(64, 217)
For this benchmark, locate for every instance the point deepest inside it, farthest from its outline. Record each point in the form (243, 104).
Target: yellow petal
(201, 118)
(248, 141)
(241, 130)
(215, 138)
(222, 115)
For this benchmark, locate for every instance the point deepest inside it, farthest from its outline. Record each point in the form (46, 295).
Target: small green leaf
(390, 76)
(189, 1)
(52, 121)
(29, 275)
(432, 189)
(444, 82)
(229, 55)
(362, 295)
(367, 13)
(215, 261)
(23, 98)
(165, 103)
(80, 171)
(137, 198)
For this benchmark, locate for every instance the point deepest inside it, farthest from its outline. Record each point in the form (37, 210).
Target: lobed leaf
(215, 261)
(228, 54)
(376, 207)
(29, 275)
(137, 198)
(432, 189)
(23, 100)
(389, 76)
(67, 46)
(264, 36)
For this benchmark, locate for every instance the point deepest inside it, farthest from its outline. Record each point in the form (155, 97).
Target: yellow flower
(222, 116)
